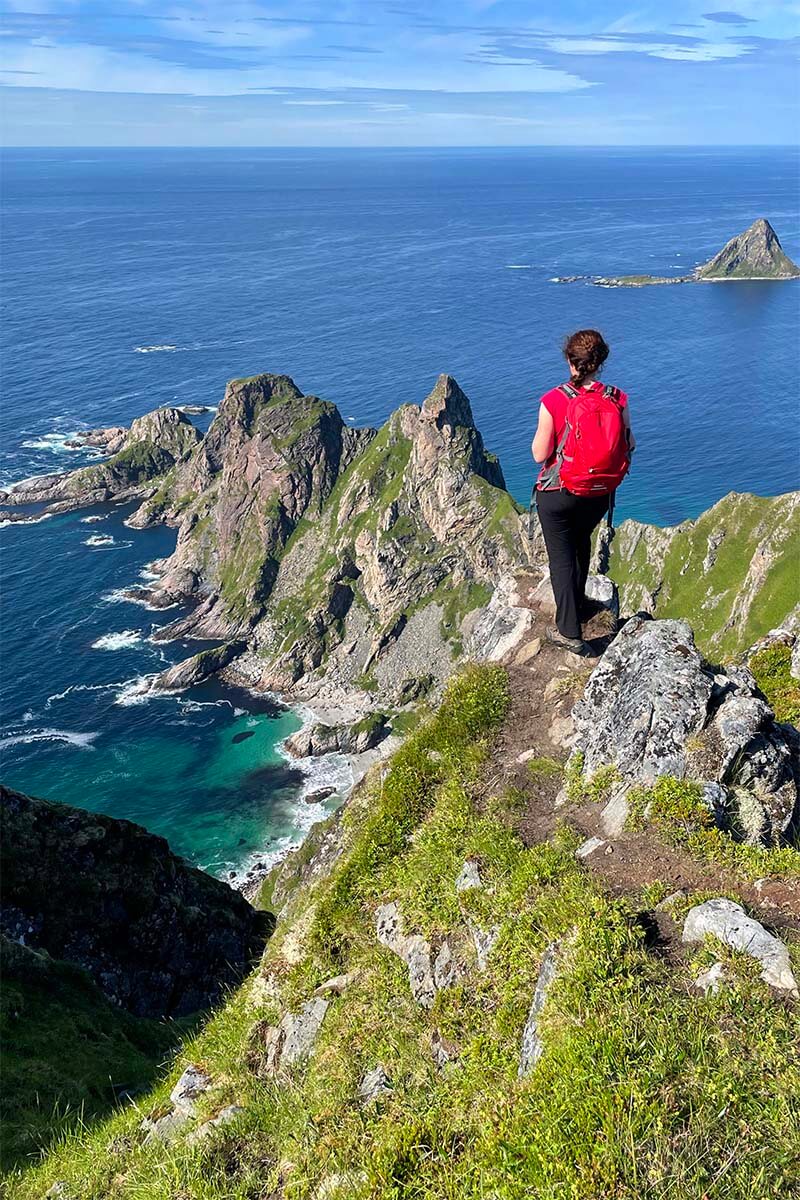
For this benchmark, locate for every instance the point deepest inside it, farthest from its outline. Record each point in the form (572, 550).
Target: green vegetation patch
(645, 1088)
(675, 807)
(67, 1051)
(772, 670)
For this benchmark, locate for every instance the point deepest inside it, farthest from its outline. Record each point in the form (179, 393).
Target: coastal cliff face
(314, 538)
(159, 938)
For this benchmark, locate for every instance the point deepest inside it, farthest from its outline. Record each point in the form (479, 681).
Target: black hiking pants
(568, 523)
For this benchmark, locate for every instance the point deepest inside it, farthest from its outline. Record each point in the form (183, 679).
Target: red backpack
(593, 456)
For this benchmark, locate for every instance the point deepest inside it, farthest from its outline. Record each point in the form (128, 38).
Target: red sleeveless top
(556, 404)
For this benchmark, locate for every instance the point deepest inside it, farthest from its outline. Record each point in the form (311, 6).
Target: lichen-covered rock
(159, 937)
(193, 1083)
(291, 1041)
(652, 707)
(648, 695)
(430, 967)
(375, 1083)
(747, 748)
(532, 1046)
(730, 923)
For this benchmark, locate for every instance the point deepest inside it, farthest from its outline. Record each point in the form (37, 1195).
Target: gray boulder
(646, 697)
(293, 1039)
(375, 1083)
(652, 707)
(730, 923)
(429, 967)
(193, 1083)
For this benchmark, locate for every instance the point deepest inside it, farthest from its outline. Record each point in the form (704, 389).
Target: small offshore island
(756, 254)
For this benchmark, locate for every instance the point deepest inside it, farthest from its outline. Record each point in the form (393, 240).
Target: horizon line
(424, 146)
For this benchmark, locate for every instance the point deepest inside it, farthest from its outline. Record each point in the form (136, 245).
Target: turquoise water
(138, 278)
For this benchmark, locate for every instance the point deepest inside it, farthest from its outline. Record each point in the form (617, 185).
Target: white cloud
(700, 52)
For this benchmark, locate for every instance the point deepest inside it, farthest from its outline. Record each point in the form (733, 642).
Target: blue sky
(399, 72)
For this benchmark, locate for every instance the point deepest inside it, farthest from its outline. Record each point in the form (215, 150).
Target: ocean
(136, 278)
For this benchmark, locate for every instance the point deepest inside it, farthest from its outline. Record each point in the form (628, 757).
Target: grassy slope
(66, 1050)
(707, 598)
(645, 1089)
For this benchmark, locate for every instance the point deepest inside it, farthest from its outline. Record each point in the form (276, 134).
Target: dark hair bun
(586, 350)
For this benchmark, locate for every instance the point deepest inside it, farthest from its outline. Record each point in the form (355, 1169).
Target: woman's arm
(626, 416)
(542, 445)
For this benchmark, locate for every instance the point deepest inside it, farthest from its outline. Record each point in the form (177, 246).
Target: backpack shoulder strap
(612, 393)
(569, 391)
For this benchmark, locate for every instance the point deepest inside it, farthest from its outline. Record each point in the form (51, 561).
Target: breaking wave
(118, 641)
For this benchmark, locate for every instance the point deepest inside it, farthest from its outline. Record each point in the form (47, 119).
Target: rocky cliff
(732, 573)
(347, 558)
(159, 938)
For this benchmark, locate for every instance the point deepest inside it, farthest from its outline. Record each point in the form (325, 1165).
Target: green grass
(66, 1051)
(708, 597)
(771, 668)
(645, 1091)
(675, 807)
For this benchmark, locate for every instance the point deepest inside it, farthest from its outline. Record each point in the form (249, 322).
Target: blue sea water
(136, 278)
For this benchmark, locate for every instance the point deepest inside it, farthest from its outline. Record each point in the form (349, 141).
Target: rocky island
(755, 254)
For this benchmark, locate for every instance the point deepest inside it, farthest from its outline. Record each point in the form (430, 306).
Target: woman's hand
(542, 445)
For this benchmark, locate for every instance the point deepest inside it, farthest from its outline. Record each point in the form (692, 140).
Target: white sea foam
(56, 443)
(162, 349)
(79, 687)
(118, 641)
(81, 740)
(27, 717)
(94, 519)
(519, 267)
(137, 691)
(121, 596)
(27, 520)
(99, 539)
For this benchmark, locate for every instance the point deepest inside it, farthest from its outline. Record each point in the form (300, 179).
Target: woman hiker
(584, 443)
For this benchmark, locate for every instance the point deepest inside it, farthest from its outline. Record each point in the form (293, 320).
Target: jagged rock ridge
(320, 544)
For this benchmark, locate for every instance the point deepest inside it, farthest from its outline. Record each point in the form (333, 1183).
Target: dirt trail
(545, 684)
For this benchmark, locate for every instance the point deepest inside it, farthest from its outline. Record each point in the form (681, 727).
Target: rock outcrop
(652, 708)
(159, 937)
(754, 254)
(729, 923)
(150, 449)
(340, 554)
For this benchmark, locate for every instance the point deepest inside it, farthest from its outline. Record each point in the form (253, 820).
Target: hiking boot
(574, 645)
